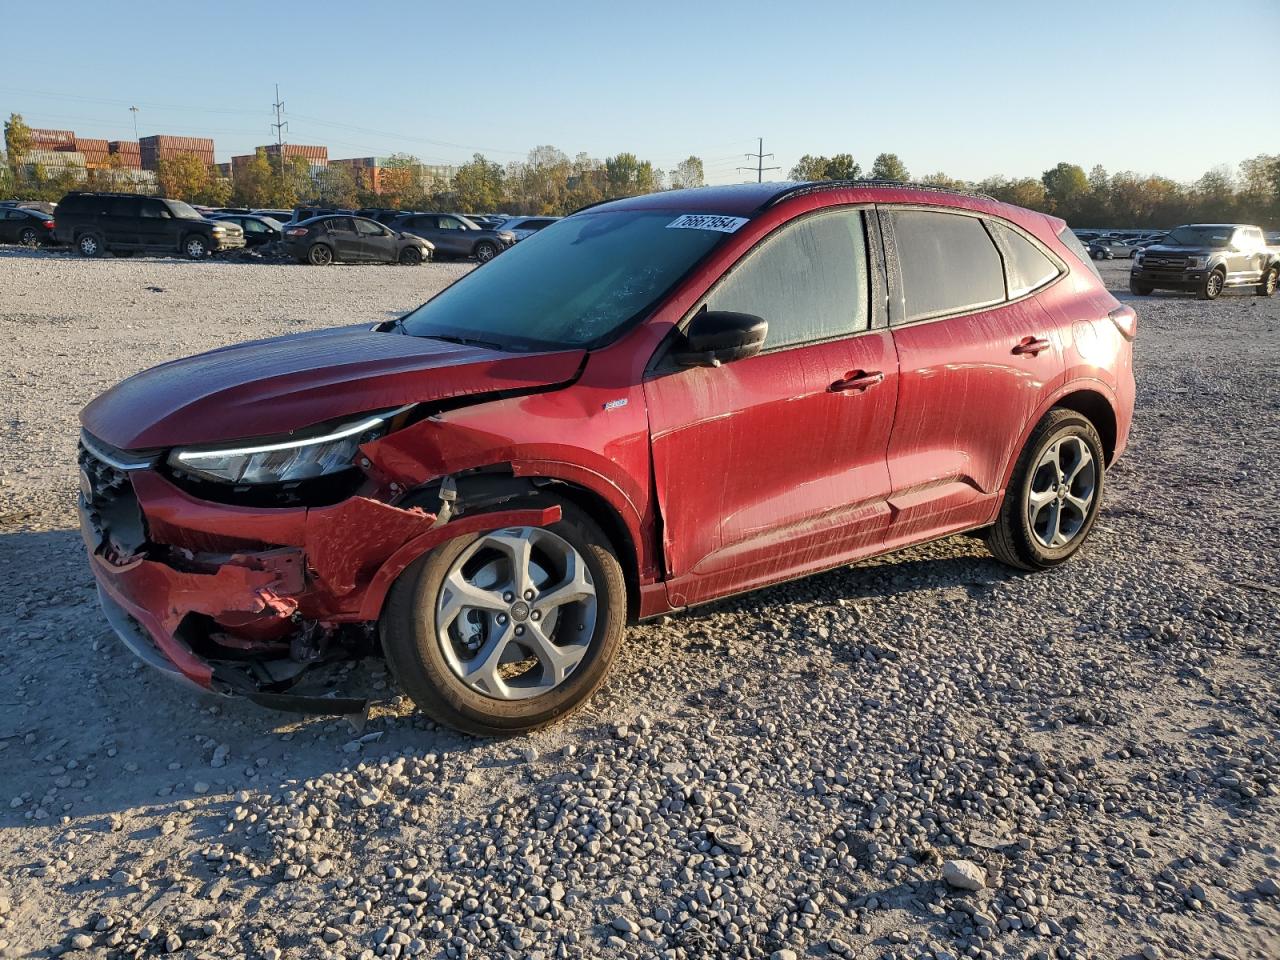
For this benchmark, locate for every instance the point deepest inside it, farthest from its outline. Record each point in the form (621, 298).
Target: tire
(320, 255)
(410, 256)
(1270, 280)
(89, 245)
(1140, 289)
(1014, 539)
(485, 251)
(1212, 285)
(1099, 255)
(195, 247)
(420, 656)
(29, 238)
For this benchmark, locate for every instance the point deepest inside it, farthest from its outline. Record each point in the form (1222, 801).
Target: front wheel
(410, 256)
(1211, 286)
(1053, 496)
(485, 251)
(1140, 289)
(1270, 280)
(195, 247)
(1099, 255)
(504, 631)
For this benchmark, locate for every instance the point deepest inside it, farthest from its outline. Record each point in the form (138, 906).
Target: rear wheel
(1270, 280)
(507, 630)
(1099, 255)
(1212, 285)
(485, 251)
(29, 238)
(195, 247)
(320, 255)
(1053, 496)
(1140, 289)
(410, 256)
(89, 245)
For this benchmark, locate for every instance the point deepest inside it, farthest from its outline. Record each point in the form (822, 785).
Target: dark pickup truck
(1207, 258)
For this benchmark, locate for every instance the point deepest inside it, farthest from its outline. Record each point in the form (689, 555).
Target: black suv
(1206, 258)
(124, 223)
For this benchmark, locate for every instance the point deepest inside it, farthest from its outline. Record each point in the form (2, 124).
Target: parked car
(44, 206)
(455, 235)
(527, 226)
(258, 231)
(279, 216)
(125, 223)
(664, 400)
(306, 213)
(383, 215)
(31, 228)
(486, 221)
(1273, 238)
(321, 241)
(1110, 248)
(1207, 258)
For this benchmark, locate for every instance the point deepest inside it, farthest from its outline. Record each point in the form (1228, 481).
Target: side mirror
(719, 336)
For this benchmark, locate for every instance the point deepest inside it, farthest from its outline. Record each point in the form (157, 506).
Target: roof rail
(814, 186)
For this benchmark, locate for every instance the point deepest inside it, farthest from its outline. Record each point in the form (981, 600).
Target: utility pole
(280, 126)
(759, 155)
(134, 111)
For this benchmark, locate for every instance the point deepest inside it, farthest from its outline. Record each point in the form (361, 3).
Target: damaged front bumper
(245, 601)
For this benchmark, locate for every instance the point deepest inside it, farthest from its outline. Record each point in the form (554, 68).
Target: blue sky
(971, 89)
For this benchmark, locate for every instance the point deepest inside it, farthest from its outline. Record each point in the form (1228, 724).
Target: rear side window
(122, 207)
(948, 263)
(808, 280)
(1025, 266)
(1072, 243)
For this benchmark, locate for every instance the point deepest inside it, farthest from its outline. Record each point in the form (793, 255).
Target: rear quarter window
(1025, 266)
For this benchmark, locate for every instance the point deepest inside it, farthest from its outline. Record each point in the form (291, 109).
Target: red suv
(650, 404)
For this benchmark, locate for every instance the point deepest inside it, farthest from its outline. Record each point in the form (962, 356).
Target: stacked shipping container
(163, 147)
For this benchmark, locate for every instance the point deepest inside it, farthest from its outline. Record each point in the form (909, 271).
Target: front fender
(376, 593)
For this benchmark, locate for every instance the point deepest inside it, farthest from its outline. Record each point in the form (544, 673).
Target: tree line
(551, 182)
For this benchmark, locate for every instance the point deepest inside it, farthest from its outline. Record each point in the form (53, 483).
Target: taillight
(297, 232)
(1126, 321)
(48, 224)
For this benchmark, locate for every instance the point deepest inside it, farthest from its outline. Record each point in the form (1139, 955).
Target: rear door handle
(1030, 346)
(857, 381)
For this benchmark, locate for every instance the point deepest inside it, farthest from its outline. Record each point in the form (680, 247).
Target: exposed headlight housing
(327, 451)
(1197, 263)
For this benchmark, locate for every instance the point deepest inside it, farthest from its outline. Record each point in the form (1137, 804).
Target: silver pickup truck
(1208, 258)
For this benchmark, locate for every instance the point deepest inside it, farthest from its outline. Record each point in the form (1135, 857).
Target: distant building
(370, 173)
(164, 147)
(314, 155)
(128, 153)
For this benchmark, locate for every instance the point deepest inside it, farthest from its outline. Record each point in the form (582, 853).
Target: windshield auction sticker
(706, 221)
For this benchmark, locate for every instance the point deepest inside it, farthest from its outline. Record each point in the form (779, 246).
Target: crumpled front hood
(270, 387)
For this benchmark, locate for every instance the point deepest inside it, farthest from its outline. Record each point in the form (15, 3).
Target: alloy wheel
(1060, 495)
(485, 252)
(516, 612)
(195, 248)
(1214, 284)
(29, 238)
(89, 246)
(1273, 277)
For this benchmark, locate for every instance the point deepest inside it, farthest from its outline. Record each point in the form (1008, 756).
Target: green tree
(1067, 188)
(688, 173)
(842, 167)
(627, 176)
(943, 180)
(887, 166)
(809, 167)
(254, 183)
(478, 185)
(17, 142)
(337, 186)
(183, 177)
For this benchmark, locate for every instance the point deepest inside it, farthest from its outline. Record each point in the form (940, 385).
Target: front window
(574, 284)
(1199, 236)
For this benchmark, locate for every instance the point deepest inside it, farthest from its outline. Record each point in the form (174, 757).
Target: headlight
(218, 230)
(1137, 259)
(329, 451)
(1197, 263)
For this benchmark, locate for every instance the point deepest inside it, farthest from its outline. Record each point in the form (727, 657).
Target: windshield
(573, 284)
(1199, 237)
(184, 211)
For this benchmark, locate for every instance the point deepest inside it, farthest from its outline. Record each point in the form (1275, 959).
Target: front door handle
(1030, 346)
(857, 381)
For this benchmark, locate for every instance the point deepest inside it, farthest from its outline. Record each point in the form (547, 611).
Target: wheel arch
(501, 487)
(1097, 409)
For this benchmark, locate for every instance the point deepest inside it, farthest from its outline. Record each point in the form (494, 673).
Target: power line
(760, 168)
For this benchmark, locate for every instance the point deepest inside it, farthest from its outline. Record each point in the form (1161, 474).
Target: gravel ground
(922, 756)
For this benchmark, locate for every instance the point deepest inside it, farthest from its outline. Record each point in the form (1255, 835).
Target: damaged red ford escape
(652, 403)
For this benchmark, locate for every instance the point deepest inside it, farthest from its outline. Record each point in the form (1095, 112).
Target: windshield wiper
(466, 341)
